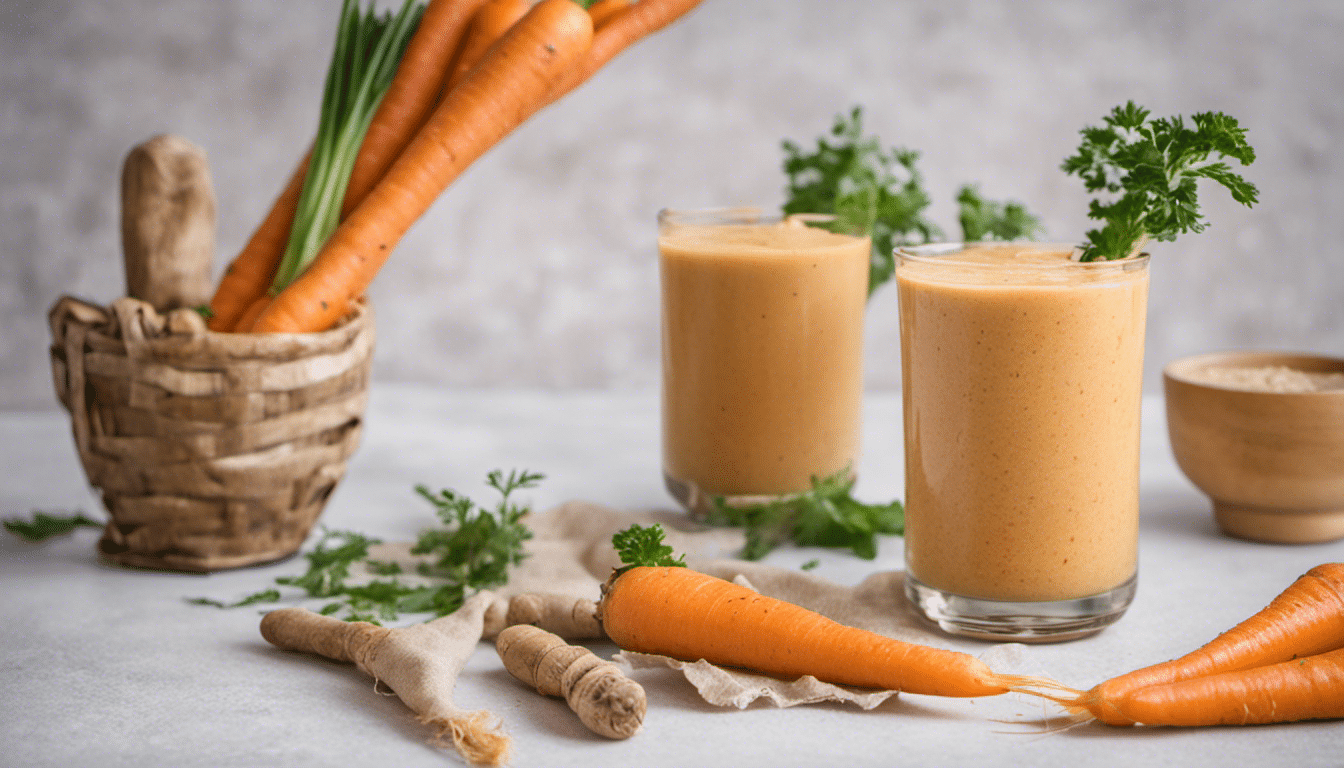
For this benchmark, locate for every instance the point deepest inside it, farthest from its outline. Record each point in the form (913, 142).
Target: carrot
(618, 33)
(604, 11)
(250, 315)
(1310, 688)
(488, 25)
(1306, 619)
(674, 611)
(249, 275)
(509, 85)
(411, 96)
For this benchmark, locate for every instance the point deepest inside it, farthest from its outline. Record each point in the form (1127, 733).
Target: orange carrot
(1306, 619)
(604, 11)
(412, 94)
(250, 315)
(620, 32)
(1310, 688)
(250, 274)
(488, 25)
(677, 612)
(509, 85)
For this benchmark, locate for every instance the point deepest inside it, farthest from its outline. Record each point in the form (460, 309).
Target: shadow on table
(1177, 514)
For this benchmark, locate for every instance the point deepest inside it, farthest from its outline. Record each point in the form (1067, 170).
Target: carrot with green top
(412, 95)
(509, 85)
(661, 607)
(249, 275)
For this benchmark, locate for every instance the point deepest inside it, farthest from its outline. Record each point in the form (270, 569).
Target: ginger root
(569, 617)
(167, 223)
(419, 663)
(605, 700)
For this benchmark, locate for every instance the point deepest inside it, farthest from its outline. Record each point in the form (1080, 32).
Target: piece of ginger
(573, 618)
(420, 663)
(605, 700)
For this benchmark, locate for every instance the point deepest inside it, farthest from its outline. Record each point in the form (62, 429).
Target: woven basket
(211, 450)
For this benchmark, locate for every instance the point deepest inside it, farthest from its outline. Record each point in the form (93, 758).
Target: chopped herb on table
(472, 551)
(45, 525)
(825, 516)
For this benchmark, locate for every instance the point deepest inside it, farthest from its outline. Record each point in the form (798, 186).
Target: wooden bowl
(1271, 461)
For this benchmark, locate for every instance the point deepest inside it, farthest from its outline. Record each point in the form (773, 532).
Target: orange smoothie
(1022, 378)
(762, 353)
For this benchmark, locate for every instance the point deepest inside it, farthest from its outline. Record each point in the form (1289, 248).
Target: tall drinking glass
(1022, 377)
(762, 353)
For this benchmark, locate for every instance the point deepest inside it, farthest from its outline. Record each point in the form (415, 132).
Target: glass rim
(944, 253)
(736, 214)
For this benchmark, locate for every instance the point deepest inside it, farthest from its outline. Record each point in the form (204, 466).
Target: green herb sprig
(867, 188)
(473, 550)
(641, 545)
(983, 219)
(1153, 165)
(881, 192)
(45, 525)
(825, 516)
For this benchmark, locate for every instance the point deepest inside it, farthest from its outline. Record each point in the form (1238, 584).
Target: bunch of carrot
(473, 72)
(1285, 663)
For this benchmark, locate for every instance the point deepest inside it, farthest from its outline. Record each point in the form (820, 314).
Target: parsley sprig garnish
(867, 188)
(881, 192)
(1153, 166)
(472, 551)
(825, 516)
(983, 219)
(641, 545)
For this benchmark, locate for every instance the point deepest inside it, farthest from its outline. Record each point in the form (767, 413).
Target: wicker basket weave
(211, 450)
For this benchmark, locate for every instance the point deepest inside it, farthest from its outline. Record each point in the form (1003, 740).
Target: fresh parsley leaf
(983, 219)
(641, 545)
(265, 596)
(476, 547)
(825, 516)
(867, 189)
(472, 551)
(810, 565)
(329, 563)
(1151, 166)
(45, 525)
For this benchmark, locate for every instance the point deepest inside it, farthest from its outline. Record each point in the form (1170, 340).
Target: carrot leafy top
(643, 546)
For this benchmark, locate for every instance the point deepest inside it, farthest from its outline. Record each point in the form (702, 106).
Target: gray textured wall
(537, 268)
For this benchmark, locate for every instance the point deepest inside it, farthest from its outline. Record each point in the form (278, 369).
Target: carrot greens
(368, 48)
(1152, 166)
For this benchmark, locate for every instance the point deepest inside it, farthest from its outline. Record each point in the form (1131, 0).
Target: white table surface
(105, 666)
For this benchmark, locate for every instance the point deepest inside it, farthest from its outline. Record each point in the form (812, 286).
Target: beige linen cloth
(571, 554)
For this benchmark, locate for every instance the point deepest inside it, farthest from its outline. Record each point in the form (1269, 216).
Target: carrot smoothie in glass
(1022, 378)
(762, 353)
